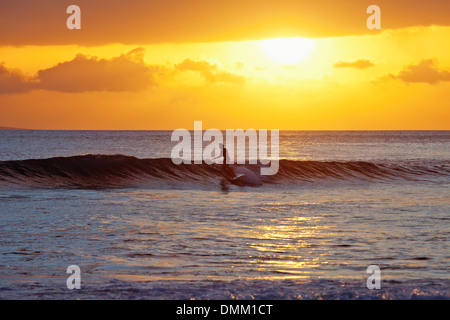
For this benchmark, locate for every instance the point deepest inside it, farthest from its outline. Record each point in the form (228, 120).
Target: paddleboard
(238, 176)
(238, 179)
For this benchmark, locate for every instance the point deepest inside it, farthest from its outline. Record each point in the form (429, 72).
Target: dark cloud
(43, 22)
(358, 64)
(128, 72)
(426, 71)
(210, 72)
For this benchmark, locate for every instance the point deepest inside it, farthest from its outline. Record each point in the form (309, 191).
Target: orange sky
(164, 64)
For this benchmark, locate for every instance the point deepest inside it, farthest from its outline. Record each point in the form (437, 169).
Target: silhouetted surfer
(227, 170)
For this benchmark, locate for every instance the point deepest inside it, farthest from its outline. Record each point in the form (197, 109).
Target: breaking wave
(109, 171)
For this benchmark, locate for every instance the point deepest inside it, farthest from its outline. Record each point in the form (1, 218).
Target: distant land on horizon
(12, 128)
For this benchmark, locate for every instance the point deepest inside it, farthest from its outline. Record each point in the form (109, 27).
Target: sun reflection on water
(285, 247)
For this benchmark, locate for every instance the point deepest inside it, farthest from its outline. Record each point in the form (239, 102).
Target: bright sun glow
(288, 50)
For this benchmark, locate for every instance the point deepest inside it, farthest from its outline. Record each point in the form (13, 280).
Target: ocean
(140, 227)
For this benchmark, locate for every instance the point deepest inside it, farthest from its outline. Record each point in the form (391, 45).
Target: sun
(287, 51)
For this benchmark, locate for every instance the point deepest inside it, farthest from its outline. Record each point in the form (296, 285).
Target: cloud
(142, 21)
(210, 72)
(196, 65)
(128, 72)
(13, 81)
(426, 70)
(358, 64)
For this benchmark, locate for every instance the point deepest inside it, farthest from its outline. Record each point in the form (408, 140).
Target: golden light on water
(284, 237)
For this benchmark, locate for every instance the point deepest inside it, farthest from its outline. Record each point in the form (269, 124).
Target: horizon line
(28, 129)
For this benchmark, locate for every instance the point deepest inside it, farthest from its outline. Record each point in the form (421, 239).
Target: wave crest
(109, 171)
